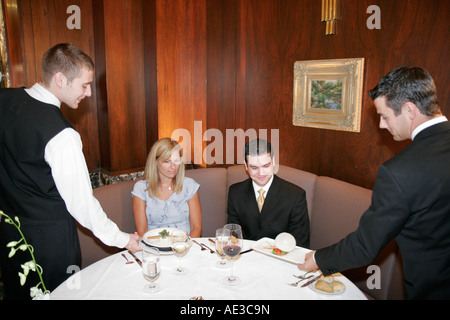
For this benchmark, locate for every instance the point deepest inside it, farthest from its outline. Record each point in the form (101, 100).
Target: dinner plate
(153, 238)
(313, 288)
(296, 256)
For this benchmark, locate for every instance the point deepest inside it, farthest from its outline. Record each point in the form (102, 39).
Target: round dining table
(263, 277)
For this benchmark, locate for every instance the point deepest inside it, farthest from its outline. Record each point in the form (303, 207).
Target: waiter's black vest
(28, 191)
(27, 186)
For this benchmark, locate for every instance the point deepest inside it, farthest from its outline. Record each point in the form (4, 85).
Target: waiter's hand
(133, 243)
(310, 264)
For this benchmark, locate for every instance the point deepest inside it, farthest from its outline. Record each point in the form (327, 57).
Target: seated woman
(166, 198)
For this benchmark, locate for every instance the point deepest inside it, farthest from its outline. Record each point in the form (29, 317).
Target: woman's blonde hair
(161, 151)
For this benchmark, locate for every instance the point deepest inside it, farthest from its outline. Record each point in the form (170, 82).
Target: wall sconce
(330, 13)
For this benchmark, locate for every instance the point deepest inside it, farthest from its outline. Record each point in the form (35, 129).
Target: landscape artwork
(326, 94)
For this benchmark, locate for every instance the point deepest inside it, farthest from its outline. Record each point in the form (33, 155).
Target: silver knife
(203, 246)
(246, 251)
(135, 258)
(311, 281)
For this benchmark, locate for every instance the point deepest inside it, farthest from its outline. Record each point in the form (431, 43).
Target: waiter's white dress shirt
(65, 157)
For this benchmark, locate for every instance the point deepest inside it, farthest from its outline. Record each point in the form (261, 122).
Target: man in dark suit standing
(411, 196)
(266, 205)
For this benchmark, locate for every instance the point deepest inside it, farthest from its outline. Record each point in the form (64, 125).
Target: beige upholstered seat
(212, 192)
(116, 201)
(341, 205)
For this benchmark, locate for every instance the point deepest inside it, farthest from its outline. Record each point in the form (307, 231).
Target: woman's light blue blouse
(171, 213)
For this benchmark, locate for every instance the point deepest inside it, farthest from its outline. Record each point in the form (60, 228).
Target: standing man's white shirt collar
(265, 188)
(39, 93)
(427, 124)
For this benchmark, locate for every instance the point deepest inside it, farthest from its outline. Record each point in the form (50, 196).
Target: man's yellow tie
(261, 199)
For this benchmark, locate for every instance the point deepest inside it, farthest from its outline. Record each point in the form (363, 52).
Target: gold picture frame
(328, 94)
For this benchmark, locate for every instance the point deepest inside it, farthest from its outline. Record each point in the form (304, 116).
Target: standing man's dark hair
(413, 84)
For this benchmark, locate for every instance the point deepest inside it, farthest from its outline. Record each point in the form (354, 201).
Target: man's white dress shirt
(65, 157)
(427, 124)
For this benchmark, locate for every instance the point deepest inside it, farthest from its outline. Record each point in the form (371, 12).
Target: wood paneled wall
(181, 60)
(163, 64)
(34, 26)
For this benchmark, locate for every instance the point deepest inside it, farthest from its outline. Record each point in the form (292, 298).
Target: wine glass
(180, 247)
(151, 269)
(233, 233)
(221, 241)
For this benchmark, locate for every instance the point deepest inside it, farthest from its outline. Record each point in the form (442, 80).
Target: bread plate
(312, 286)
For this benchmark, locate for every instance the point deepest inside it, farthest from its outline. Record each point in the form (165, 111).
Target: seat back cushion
(338, 207)
(213, 197)
(116, 201)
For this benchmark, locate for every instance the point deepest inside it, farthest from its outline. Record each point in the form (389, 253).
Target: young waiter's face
(79, 88)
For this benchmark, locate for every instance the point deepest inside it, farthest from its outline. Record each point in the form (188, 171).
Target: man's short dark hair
(403, 84)
(257, 147)
(65, 58)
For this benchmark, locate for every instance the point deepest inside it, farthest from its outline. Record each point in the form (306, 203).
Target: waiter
(44, 180)
(411, 196)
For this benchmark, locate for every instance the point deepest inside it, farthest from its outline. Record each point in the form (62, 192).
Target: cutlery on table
(246, 251)
(135, 258)
(302, 278)
(211, 250)
(203, 246)
(311, 281)
(128, 261)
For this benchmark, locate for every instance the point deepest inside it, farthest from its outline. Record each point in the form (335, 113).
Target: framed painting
(328, 94)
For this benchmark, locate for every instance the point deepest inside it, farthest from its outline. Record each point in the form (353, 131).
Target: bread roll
(328, 279)
(338, 286)
(323, 286)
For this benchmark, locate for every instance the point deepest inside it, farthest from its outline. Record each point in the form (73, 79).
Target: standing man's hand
(309, 264)
(133, 244)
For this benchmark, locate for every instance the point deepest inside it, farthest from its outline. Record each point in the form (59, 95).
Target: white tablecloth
(262, 278)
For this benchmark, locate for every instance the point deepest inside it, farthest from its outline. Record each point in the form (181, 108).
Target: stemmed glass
(151, 269)
(221, 241)
(233, 233)
(180, 246)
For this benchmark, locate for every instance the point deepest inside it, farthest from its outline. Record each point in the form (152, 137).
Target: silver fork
(301, 277)
(294, 284)
(203, 246)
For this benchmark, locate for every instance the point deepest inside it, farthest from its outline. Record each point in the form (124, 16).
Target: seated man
(281, 206)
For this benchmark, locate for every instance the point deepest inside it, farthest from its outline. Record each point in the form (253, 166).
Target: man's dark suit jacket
(284, 210)
(411, 203)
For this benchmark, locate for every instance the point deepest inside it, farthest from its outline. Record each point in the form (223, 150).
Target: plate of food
(327, 285)
(162, 238)
(282, 248)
